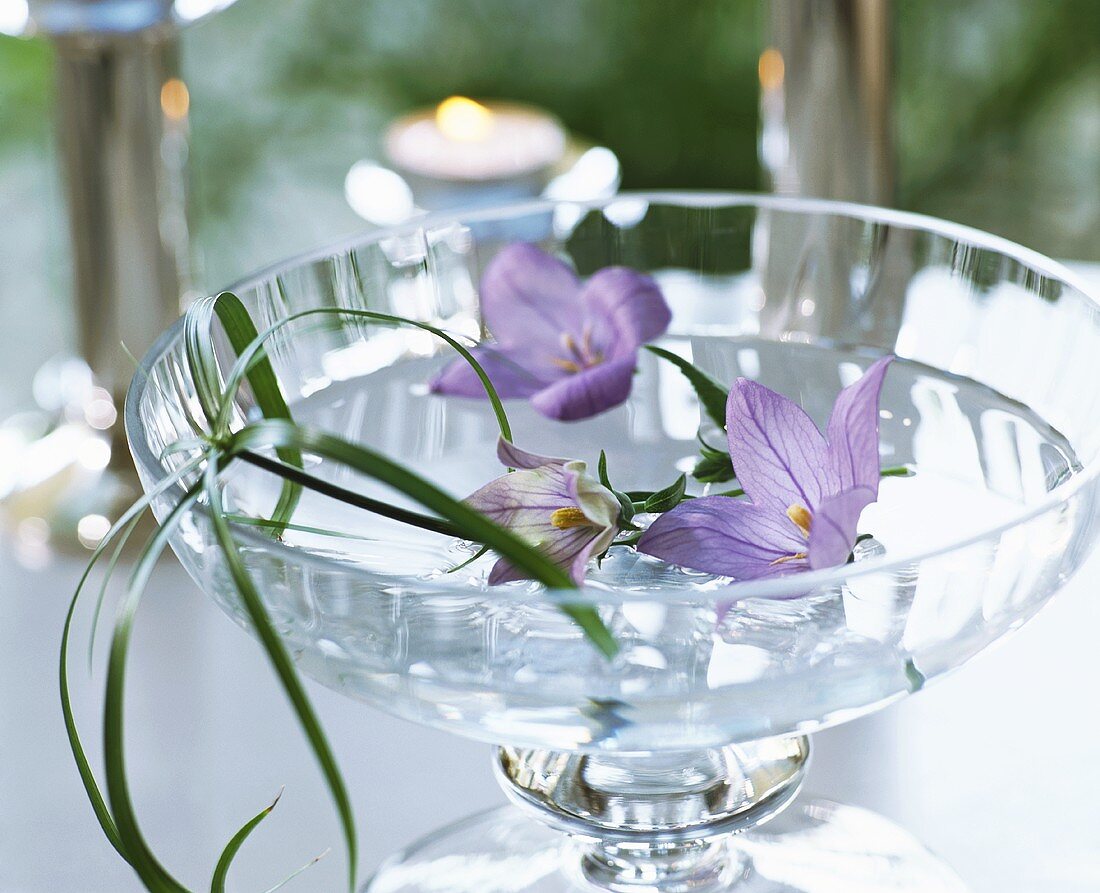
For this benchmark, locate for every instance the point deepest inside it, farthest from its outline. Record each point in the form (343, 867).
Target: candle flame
(771, 69)
(175, 99)
(463, 120)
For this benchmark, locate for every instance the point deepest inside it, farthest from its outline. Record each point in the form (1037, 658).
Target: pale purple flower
(807, 490)
(569, 347)
(553, 505)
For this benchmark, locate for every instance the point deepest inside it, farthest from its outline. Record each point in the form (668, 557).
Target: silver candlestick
(122, 118)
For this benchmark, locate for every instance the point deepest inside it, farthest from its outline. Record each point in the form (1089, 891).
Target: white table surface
(996, 768)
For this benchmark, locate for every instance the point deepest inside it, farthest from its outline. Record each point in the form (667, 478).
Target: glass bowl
(697, 728)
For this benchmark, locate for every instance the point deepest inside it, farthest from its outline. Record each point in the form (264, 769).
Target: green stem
(638, 497)
(325, 488)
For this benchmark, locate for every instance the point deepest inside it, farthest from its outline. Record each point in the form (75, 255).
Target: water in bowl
(443, 647)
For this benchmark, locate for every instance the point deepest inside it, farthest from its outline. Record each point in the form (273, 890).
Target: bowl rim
(792, 586)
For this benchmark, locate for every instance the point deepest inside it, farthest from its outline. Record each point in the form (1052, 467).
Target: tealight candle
(467, 152)
(461, 139)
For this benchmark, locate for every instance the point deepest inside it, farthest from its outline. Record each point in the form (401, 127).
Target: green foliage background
(997, 116)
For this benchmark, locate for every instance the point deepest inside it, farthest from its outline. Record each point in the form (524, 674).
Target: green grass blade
(712, 393)
(589, 620)
(283, 665)
(201, 360)
(245, 356)
(349, 496)
(108, 573)
(87, 776)
(192, 422)
(296, 872)
(472, 524)
(155, 877)
(241, 332)
(468, 561)
(221, 870)
(216, 402)
(246, 521)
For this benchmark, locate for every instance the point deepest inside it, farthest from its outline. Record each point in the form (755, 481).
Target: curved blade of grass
(221, 870)
(246, 521)
(712, 393)
(246, 355)
(472, 524)
(201, 359)
(192, 422)
(280, 660)
(217, 404)
(108, 573)
(469, 560)
(87, 777)
(155, 877)
(297, 871)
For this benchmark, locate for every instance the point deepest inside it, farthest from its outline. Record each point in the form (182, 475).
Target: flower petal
(512, 456)
(833, 533)
(779, 455)
(511, 379)
(572, 550)
(625, 309)
(505, 572)
(600, 505)
(853, 430)
(578, 568)
(721, 535)
(588, 393)
(523, 501)
(530, 298)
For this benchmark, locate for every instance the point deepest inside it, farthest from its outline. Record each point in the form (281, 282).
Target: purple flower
(570, 347)
(807, 490)
(554, 506)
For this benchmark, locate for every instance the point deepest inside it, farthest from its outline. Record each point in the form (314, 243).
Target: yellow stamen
(795, 557)
(565, 518)
(801, 517)
(567, 365)
(577, 357)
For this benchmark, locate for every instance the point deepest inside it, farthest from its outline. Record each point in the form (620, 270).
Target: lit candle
(461, 139)
(464, 152)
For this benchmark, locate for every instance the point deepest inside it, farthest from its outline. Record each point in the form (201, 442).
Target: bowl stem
(655, 821)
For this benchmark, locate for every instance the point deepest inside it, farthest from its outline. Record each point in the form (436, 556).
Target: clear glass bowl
(993, 405)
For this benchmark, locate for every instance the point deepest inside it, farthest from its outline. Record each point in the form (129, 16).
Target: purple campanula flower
(553, 505)
(807, 490)
(569, 347)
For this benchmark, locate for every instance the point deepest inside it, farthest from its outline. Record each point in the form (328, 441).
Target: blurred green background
(997, 116)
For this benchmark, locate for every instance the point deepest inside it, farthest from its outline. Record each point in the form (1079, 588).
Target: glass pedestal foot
(812, 847)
